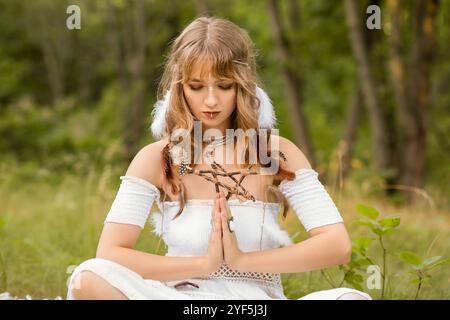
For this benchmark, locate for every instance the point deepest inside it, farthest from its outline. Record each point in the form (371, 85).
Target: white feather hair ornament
(267, 118)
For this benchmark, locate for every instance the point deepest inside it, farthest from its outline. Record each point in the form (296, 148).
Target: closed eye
(224, 87)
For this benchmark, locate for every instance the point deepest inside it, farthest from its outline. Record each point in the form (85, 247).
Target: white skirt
(134, 287)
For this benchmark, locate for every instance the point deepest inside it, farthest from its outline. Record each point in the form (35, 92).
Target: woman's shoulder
(295, 158)
(146, 164)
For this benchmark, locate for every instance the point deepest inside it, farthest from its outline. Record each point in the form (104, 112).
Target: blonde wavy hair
(227, 51)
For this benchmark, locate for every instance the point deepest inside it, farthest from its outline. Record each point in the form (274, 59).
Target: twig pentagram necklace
(217, 170)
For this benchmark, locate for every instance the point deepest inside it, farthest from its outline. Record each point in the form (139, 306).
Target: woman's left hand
(233, 256)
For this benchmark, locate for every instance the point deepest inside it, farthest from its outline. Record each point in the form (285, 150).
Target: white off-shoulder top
(255, 223)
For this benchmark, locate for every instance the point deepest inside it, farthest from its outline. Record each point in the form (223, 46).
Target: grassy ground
(50, 223)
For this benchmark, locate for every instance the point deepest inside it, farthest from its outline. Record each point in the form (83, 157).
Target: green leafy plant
(358, 261)
(422, 267)
(381, 228)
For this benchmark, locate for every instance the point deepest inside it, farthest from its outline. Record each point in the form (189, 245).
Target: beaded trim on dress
(271, 279)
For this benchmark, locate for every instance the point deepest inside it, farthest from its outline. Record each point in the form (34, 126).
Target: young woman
(218, 207)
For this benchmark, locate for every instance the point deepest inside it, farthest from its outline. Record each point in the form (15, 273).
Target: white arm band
(309, 199)
(133, 201)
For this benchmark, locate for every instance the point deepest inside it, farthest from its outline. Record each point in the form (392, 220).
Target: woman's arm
(117, 242)
(125, 221)
(329, 246)
(329, 243)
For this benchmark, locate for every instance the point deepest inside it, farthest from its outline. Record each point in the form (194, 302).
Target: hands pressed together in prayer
(223, 246)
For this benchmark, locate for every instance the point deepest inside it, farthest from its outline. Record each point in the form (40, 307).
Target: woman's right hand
(214, 255)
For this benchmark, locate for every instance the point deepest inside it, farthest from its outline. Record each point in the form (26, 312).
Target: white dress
(256, 228)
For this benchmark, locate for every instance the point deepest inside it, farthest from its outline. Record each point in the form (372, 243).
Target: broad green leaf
(411, 258)
(386, 231)
(360, 246)
(362, 262)
(358, 278)
(356, 249)
(350, 274)
(363, 241)
(367, 211)
(389, 223)
(363, 223)
(377, 231)
(354, 255)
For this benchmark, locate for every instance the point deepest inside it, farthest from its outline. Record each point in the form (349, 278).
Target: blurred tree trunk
(424, 32)
(202, 7)
(354, 110)
(137, 72)
(84, 72)
(351, 127)
(128, 44)
(377, 118)
(407, 120)
(413, 100)
(56, 47)
(54, 74)
(294, 14)
(116, 47)
(293, 83)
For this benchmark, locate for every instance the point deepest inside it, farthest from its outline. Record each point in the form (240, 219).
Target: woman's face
(211, 100)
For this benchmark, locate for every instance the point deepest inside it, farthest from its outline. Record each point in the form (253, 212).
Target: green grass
(50, 222)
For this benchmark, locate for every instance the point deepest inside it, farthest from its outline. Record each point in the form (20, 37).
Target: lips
(211, 115)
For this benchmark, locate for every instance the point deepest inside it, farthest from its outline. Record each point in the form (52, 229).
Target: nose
(211, 99)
